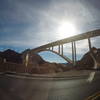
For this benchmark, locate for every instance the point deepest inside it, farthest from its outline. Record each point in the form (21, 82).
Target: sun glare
(66, 29)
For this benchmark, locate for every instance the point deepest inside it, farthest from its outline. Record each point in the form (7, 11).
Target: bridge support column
(62, 49)
(74, 52)
(59, 49)
(52, 48)
(26, 59)
(89, 41)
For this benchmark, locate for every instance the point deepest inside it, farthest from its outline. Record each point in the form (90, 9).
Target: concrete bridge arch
(62, 56)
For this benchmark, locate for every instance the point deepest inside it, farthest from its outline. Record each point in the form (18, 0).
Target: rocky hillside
(13, 61)
(11, 56)
(87, 61)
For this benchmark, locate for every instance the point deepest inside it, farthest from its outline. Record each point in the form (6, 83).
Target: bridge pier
(52, 48)
(26, 59)
(59, 49)
(62, 49)
(89, 42)
(74, 53)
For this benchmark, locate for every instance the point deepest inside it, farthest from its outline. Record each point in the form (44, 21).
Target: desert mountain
(11, 56)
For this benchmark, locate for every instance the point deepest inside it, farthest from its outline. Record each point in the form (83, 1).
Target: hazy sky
(31, 23)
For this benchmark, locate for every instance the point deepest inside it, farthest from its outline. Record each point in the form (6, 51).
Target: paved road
(17, 87)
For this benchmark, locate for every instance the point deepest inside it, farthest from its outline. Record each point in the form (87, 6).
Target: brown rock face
(39, 66)
(32, 59)
(35, 59)
(87, 61)
(11, 56)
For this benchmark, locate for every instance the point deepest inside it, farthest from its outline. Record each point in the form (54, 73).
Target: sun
(66, 29)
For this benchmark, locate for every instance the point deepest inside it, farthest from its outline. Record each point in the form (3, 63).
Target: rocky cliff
(87, 61)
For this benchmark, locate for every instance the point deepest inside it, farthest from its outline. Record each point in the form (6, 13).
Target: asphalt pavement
(61, 87)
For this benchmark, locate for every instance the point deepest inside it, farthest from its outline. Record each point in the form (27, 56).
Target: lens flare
(66, 29)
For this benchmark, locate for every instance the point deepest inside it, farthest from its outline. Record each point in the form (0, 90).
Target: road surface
(64, 87)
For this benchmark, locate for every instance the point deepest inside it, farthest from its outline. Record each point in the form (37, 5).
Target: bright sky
(31, 23)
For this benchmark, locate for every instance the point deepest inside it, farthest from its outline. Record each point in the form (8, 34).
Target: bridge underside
(62, 56)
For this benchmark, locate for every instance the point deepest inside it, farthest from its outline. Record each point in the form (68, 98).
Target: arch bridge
(72, 40)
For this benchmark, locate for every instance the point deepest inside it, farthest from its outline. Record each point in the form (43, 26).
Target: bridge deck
(71, 39)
